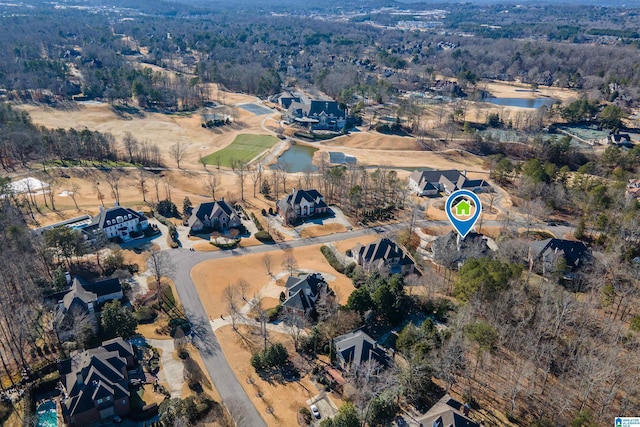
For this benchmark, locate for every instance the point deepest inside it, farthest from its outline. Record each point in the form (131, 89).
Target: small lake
(534, 103)
(297, 159)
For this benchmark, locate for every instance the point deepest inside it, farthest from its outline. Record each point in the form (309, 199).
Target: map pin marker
(463, 209)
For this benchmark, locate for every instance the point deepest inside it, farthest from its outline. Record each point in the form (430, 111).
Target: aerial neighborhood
(275, 214)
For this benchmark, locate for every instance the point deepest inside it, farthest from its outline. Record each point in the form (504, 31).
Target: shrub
(264, 236)
(167, 208)
(331, 258)
(179, 322)
(256, 222)
(274, 313)
(264, 212)
(145, 315)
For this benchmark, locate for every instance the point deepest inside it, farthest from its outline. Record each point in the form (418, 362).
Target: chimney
(79, 378)
(101, 208)
(222, 199)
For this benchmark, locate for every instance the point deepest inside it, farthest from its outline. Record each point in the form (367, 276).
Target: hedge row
(172, 238)
(256, 222)
(264, 236)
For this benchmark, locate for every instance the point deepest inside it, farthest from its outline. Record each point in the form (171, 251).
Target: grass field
(243, 148)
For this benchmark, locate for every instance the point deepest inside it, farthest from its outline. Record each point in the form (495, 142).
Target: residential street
(231, 392)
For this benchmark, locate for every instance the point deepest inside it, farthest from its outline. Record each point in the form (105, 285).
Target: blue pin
(461, 216)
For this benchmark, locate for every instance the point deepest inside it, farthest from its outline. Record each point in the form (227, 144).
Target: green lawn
(244, 148)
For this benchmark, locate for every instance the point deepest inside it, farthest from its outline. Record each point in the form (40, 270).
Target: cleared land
(285, 398)
(244, 148)
(212, 277)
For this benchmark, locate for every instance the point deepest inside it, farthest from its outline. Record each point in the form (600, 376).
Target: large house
(301, 204)
(96, 383)
(217, 215)
(447, 412)
(431, 183)
(302, 293)
(318, 115)
(285, 99)
(545, 254)
(456, 250)
(85, 298)
(381, 254)
(355, 348)
(118, 222)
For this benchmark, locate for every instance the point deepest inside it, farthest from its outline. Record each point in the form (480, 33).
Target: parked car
(315, 412)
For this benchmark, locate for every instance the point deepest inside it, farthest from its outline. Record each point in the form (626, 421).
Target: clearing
(245, 147)
(213, 276)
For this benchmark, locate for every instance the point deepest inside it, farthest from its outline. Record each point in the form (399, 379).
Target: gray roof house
(85, 297)
(431, 183)
(383, 253)
(95, 383)
(301, 204)
(302, 293)
(284, 99)
(318, 115)
(447, 412)
(545, 253)
(118, 222)
(457, 250)
(355, 348)
(217, 215)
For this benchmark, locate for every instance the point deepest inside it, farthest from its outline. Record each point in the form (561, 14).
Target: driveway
(171, 371)
(325, 405)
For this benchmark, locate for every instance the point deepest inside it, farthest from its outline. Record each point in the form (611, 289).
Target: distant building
(302, 293)
(431, 183)
(216, 215)
(381, 254)
(355, 348)
(340, 158)
(95, 383)
(319, 115)
(458, 250)
(301, 204)
(118, 222)
(285, 99)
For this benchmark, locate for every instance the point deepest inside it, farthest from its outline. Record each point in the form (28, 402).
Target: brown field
(372, 140)
(285, 399)
(211, 277)
(321, 230)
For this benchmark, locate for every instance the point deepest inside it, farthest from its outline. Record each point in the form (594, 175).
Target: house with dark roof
(84, 297)
(431, 183)
(302, 293)
(95, 383)
(284, 99)
(544, 254)
(301, 204)
(117, 222)
(458, 250)
(318, 115)
(355, 348)
(383, 254)
(216, 215)
(447, 412)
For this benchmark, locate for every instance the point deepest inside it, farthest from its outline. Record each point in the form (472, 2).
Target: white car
(315, 412)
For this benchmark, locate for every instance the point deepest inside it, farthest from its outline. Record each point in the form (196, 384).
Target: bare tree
(283, 170)
(143, 175)
(231, 295)
(169, 183)
(99, 194)
(130, 144)
(532, 210)
(240, 169)
(211, 183)
(256, 177)
(75, 188)
(289, 262)
(294, 324)
(266, 261)
(178, 152)
(113, 179)
(262, 316)
(160, 265)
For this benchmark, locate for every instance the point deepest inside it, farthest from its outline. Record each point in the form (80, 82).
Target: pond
(47, 414)
(534, 103)
(297, 159)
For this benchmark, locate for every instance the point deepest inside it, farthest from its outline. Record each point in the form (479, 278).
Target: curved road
(231, 392)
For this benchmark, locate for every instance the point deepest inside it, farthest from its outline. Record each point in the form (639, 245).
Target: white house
(119, 222)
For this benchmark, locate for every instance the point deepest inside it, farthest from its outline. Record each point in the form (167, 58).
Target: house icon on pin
(463, 208)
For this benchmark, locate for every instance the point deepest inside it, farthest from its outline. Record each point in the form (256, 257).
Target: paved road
(231, 392)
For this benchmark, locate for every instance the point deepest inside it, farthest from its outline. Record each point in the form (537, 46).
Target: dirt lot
(285, 399)
(321, 230)
(211, 277)
(374, 141)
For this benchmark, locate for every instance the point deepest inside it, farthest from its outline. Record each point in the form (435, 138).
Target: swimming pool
(47, 414)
